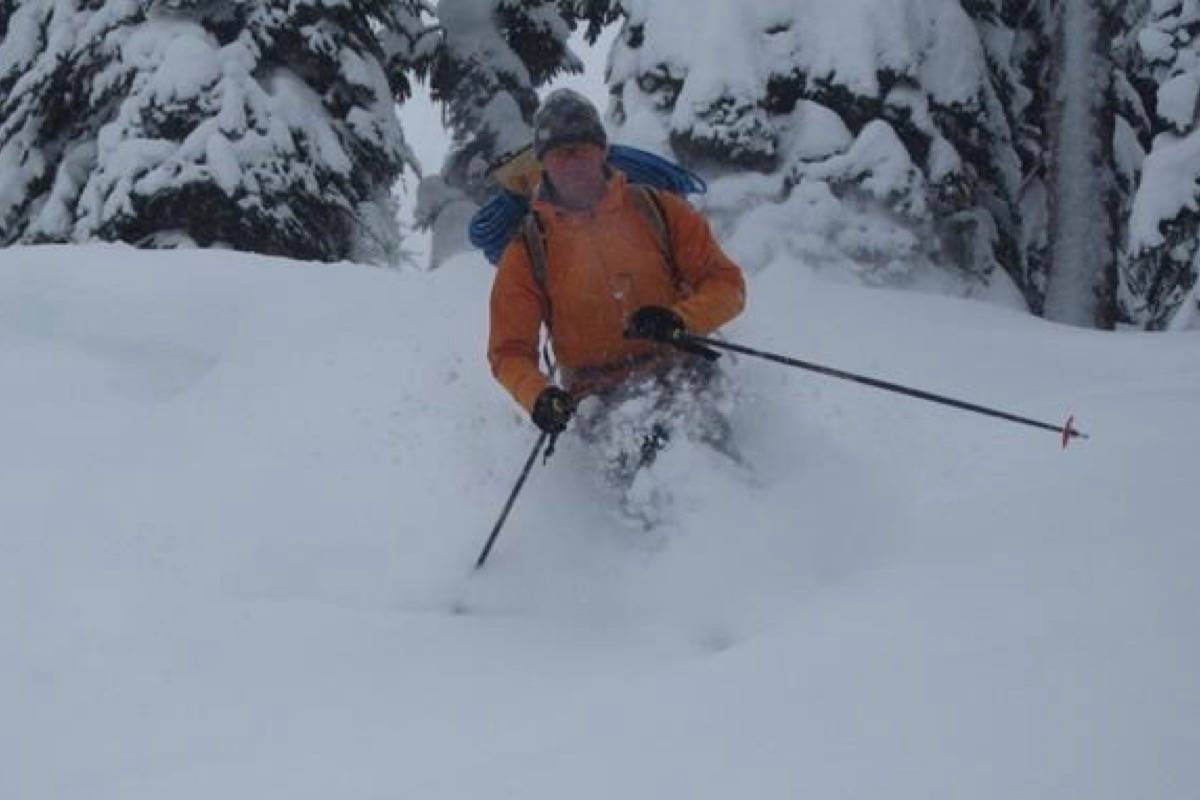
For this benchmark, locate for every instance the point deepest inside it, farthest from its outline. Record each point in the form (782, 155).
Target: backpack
(510, 214)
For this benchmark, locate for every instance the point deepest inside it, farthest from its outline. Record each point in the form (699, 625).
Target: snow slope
(240, 498)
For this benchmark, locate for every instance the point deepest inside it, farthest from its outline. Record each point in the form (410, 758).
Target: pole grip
(687, 344)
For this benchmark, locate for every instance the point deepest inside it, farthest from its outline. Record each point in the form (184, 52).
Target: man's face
(575, 169)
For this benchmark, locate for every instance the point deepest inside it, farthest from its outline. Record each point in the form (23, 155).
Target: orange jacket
(602, 265)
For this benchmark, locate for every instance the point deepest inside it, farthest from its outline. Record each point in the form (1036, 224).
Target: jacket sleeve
(516, 316)
(717, 287)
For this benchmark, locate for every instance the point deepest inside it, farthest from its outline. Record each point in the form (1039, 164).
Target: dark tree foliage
(597, 14)
(7, 7)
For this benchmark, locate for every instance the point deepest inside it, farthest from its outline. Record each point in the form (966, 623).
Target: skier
(613, 293)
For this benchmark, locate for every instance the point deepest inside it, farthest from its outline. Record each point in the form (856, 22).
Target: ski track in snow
(240, 499)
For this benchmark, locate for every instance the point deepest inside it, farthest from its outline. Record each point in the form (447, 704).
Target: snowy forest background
(241, 496)
(1041, 153)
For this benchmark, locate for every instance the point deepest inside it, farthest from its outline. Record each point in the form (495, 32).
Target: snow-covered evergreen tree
(876, 131)
(52, 103)
(255, 125)
(492, 57)
(1130, 124)
(1158, 285)
(1018, 39)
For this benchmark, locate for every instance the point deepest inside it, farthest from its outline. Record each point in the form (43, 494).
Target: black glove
(655, 323)
(553, 409)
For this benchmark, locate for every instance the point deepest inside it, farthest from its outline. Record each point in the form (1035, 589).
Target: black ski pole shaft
(1067, 431)
(512, 498)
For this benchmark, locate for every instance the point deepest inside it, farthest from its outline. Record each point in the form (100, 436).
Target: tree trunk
(1079, 291)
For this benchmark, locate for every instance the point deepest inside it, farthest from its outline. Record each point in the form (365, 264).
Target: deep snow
(240, 497)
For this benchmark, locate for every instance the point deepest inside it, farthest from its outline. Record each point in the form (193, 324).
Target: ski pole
(1068, 431)
(512, 498)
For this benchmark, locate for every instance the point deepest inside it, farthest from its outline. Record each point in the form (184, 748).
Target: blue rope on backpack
(494, 224)
(653, 170)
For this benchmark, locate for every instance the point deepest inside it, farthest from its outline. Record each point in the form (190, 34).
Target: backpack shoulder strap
(648, 204)
(534, 236)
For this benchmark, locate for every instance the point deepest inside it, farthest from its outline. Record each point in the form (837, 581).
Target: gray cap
(566, 117)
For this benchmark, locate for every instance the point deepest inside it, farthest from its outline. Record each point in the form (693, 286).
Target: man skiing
(613, 293)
